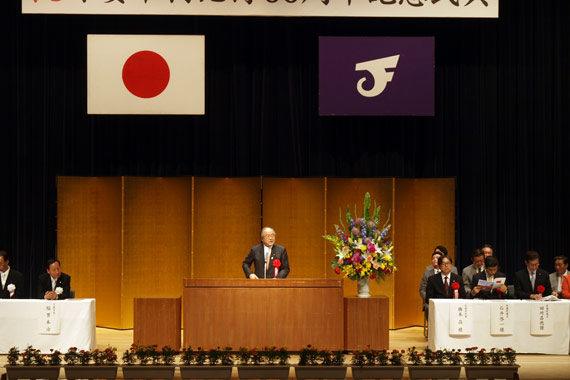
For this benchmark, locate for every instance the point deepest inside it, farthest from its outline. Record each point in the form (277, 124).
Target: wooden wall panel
(89, 226)
(350, 191)
(157, 239)
(424, 218)
(227, 222)
(295, 209)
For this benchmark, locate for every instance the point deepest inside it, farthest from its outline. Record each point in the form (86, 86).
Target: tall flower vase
(364, 287)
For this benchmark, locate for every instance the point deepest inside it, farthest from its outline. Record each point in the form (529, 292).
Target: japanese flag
(145, 74)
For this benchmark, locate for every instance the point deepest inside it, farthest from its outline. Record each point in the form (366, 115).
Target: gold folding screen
(424, 218)
(121, 238)
(227, 213)
(295, 209)
(89, 241)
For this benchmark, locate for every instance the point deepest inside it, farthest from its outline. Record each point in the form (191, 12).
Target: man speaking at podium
(270, 260)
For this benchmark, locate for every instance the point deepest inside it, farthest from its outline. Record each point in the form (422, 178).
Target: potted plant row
(440, 364)
(275, 360)
(147, 362)
(478, 363)
(206, 364)
(496, 363)
(377, 364)
(320, 364)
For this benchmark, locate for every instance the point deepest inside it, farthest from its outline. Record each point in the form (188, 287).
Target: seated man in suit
(54, 284)
(441, 285)
(487, 250)
(561, 267)
(478, 260)
(490, 273)
(430, 270)
(13, 285)
(270, 259)
(528, 280)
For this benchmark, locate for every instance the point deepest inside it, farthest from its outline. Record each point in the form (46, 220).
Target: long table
(242, 312)
(47, 324)
(443, 316)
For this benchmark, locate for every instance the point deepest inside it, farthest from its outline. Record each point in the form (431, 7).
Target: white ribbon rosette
(11, 289)
(59, 290)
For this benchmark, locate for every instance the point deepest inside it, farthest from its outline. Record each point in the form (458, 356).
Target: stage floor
(532, 366)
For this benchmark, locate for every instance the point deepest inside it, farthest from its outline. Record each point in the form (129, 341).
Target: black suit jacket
(486, 294)
(257, 257)
(16, 278)
(436, 289)
(523, 287)
(44, 285)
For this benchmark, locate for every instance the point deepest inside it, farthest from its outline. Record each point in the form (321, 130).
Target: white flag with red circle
(145, 74)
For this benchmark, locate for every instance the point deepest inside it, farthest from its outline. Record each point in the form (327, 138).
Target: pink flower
(356, 258)
(371, 225)
(371, 248)
(359, 221)
(375, 266)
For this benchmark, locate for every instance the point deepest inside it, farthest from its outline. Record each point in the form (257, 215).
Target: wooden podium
(157, 321)
(254, 313)
(366, 323)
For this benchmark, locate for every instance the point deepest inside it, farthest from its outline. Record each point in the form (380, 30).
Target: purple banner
(376, 76)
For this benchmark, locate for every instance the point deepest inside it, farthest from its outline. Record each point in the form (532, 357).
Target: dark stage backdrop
(501, 124)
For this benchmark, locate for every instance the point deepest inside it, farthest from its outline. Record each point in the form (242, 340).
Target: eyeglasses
(269, 235)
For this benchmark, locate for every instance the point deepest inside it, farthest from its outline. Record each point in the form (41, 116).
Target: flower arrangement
(167, 355)
(106, 357)
(54, 357)
(310, 355)
(476, 356)
(247, 356)
(84, 357)
(33, 356)
(13, 356)
(362, 247)
(414, 357)
(396, 357)
(273, 355)
(129, 357)
(332, 357)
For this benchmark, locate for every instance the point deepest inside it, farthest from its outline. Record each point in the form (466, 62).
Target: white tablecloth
(521, 340)
(21, 323)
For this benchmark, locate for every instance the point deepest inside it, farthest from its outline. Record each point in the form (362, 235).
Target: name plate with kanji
(48, 321)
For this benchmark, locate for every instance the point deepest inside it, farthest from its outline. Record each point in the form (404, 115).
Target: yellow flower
(382, 266)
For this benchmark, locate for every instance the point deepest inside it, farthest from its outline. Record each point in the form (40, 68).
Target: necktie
(446, 286)
(532, 275)
(489, 278)
(267, 258)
